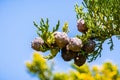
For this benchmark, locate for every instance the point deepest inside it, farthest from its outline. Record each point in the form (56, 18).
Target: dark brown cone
(79, 60)
(89, 46)
(67, 55)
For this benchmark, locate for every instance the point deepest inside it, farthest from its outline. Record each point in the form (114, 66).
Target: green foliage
(102, 19)
(53, 53)
(65, 27)
(57, 27)
(44, 33)
(48, 37)
(39, 67)
(61, 76)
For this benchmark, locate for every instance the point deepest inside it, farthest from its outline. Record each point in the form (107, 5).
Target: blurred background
(17, 31)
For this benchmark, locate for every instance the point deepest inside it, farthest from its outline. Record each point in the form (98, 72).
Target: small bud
(75, 44)
(61, 39)
(37, 43)
(81, 25)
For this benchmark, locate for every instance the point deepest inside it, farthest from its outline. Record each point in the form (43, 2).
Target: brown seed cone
(37, 43)
(67, 55)
(61, 39)
(79, 60)
(81, 25)
(89, 46)
(75, 44)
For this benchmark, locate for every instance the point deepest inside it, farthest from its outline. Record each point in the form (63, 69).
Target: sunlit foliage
(97, 21)
(39, 67)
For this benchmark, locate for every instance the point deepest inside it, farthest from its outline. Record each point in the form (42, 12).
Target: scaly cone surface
(37, 43)
(75, 44)
(79, 60)
(61, 39)
(89, 46)
(81, 25)
(67, 55)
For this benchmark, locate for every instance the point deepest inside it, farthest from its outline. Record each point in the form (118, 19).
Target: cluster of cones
(70, 48)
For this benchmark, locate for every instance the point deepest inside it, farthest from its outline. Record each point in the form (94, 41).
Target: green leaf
(53, 53)
(65, 27)
(57, 26)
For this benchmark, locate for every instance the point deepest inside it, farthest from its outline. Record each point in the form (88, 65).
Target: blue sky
(17, 31)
